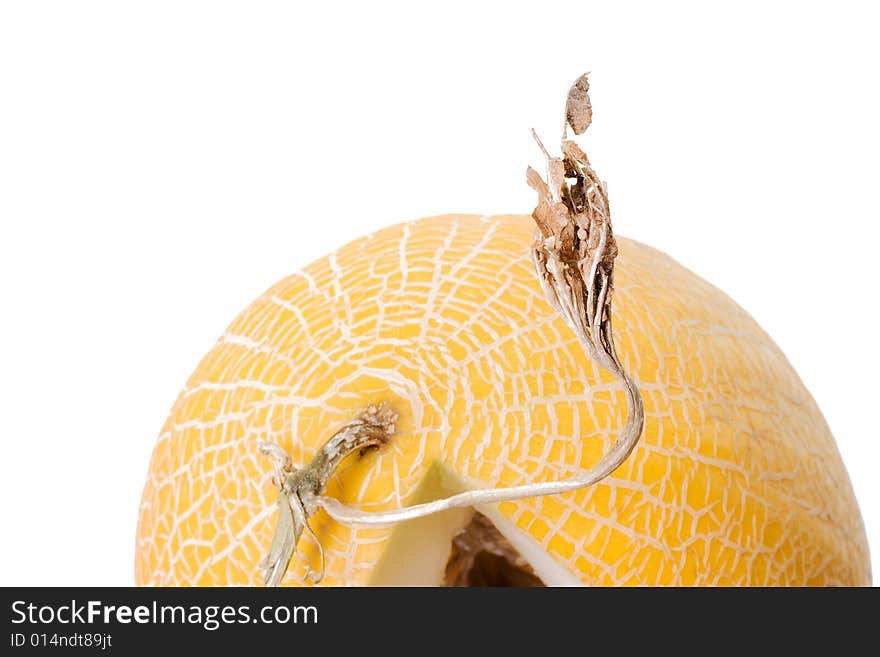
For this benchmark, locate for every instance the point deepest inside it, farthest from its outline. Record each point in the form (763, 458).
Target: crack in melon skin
(736, 481)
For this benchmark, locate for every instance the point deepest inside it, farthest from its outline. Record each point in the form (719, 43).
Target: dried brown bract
(574, 249)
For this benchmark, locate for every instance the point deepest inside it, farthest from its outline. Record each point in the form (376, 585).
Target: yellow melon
(736, 479)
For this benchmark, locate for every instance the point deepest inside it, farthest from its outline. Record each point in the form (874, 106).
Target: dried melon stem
(298, 489)
(574, 252)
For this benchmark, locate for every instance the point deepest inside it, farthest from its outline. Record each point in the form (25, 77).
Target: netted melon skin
(736, 481)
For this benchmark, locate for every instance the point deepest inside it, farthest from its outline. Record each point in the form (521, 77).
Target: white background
(162, 163)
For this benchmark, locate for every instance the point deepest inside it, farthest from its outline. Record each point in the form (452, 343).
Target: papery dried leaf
(556, 175)
(578, 111)
(571, 150)
(537, 183)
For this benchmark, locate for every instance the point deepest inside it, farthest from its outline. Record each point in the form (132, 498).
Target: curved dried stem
(573, 252)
